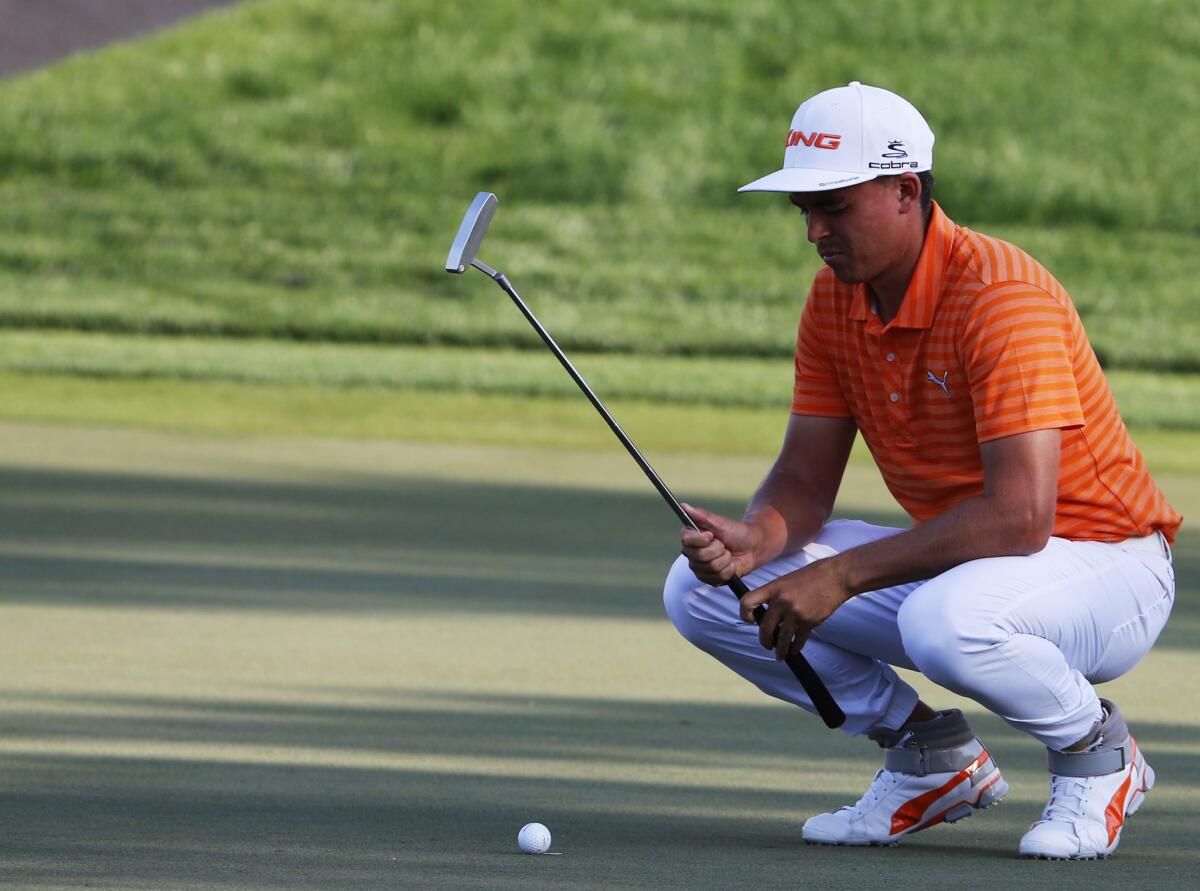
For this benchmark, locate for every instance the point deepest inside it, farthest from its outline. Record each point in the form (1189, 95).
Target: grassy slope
(287, 170)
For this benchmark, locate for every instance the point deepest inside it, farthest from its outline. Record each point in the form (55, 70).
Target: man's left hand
(796, 604)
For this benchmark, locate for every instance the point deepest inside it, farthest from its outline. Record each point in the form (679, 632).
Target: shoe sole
(989, 797)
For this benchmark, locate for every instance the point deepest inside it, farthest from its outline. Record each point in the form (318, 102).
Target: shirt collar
(925, 286)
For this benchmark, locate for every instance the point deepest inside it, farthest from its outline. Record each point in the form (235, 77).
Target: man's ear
(908, 186)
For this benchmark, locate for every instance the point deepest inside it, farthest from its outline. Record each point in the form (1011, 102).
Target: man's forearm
(976, 528)
(785, 515)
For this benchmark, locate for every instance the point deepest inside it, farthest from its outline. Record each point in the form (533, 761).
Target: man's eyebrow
(819, 199)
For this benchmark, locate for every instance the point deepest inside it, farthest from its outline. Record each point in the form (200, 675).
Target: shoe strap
(1089, 764)
(920, 762)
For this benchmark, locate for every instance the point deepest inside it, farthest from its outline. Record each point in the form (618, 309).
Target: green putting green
(298, 663)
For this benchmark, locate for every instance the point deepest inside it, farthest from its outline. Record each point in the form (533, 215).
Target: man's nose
(818, 226)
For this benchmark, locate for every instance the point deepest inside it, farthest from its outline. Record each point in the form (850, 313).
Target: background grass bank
(283, 170)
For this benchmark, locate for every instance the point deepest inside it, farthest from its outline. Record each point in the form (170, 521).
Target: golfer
(1038, 562)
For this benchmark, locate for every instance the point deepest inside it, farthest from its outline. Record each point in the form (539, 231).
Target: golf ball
(534, 838)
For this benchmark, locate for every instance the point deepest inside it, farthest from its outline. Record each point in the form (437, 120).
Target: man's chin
(845, 273)
(843, 268)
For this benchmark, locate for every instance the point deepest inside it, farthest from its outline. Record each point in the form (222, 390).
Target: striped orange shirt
(986, 344)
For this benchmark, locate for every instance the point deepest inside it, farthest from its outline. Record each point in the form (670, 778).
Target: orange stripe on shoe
(938, 818)
(1114, 814)
(912, 811)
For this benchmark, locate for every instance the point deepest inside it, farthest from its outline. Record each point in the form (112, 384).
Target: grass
(1147, 400)
(375, 413)
(297, 663)
(633, 104)
(598, 278)
(280, 170)
(464, 418)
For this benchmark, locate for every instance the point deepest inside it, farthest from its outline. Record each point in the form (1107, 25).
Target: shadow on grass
(543, 729)
(103, 539)
(111, 539)
(304, 795)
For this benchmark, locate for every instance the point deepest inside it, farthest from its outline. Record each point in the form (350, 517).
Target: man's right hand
(721, 549)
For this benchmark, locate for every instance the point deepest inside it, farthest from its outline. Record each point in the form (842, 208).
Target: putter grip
(821, 698)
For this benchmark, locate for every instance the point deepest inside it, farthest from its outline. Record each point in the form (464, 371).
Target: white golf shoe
(935, 772)
(1091, 794)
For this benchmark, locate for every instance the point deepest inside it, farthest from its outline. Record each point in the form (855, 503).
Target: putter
(463, 255)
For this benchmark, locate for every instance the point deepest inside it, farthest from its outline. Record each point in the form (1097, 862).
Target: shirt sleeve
(816, 390)
(1016, 349)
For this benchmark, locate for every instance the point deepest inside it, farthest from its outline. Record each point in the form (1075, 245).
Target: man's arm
(790, 507)
(1014, 516)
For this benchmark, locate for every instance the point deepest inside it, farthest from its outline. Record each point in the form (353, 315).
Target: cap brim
(806, 179)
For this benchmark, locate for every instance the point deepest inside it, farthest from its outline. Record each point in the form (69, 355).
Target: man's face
(857, 230)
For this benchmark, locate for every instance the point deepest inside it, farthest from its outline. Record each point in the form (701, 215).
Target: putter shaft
(502, 280)
(822, 700)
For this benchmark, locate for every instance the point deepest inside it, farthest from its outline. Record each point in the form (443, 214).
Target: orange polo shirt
(986, 345)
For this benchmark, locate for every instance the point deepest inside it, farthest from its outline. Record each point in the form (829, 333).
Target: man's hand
(722, 549)
(788, 510)
(796, 604)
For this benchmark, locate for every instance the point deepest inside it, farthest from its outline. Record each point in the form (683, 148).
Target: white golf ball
(534, 838)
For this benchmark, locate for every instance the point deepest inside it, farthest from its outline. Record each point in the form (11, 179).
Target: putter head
(471, 231)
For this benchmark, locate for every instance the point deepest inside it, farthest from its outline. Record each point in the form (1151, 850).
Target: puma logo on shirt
(941, 381)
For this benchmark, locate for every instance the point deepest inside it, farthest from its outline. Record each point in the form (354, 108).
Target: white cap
(849, 135)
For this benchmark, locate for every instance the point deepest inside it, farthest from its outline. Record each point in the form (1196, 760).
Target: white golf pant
(1026, 637)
